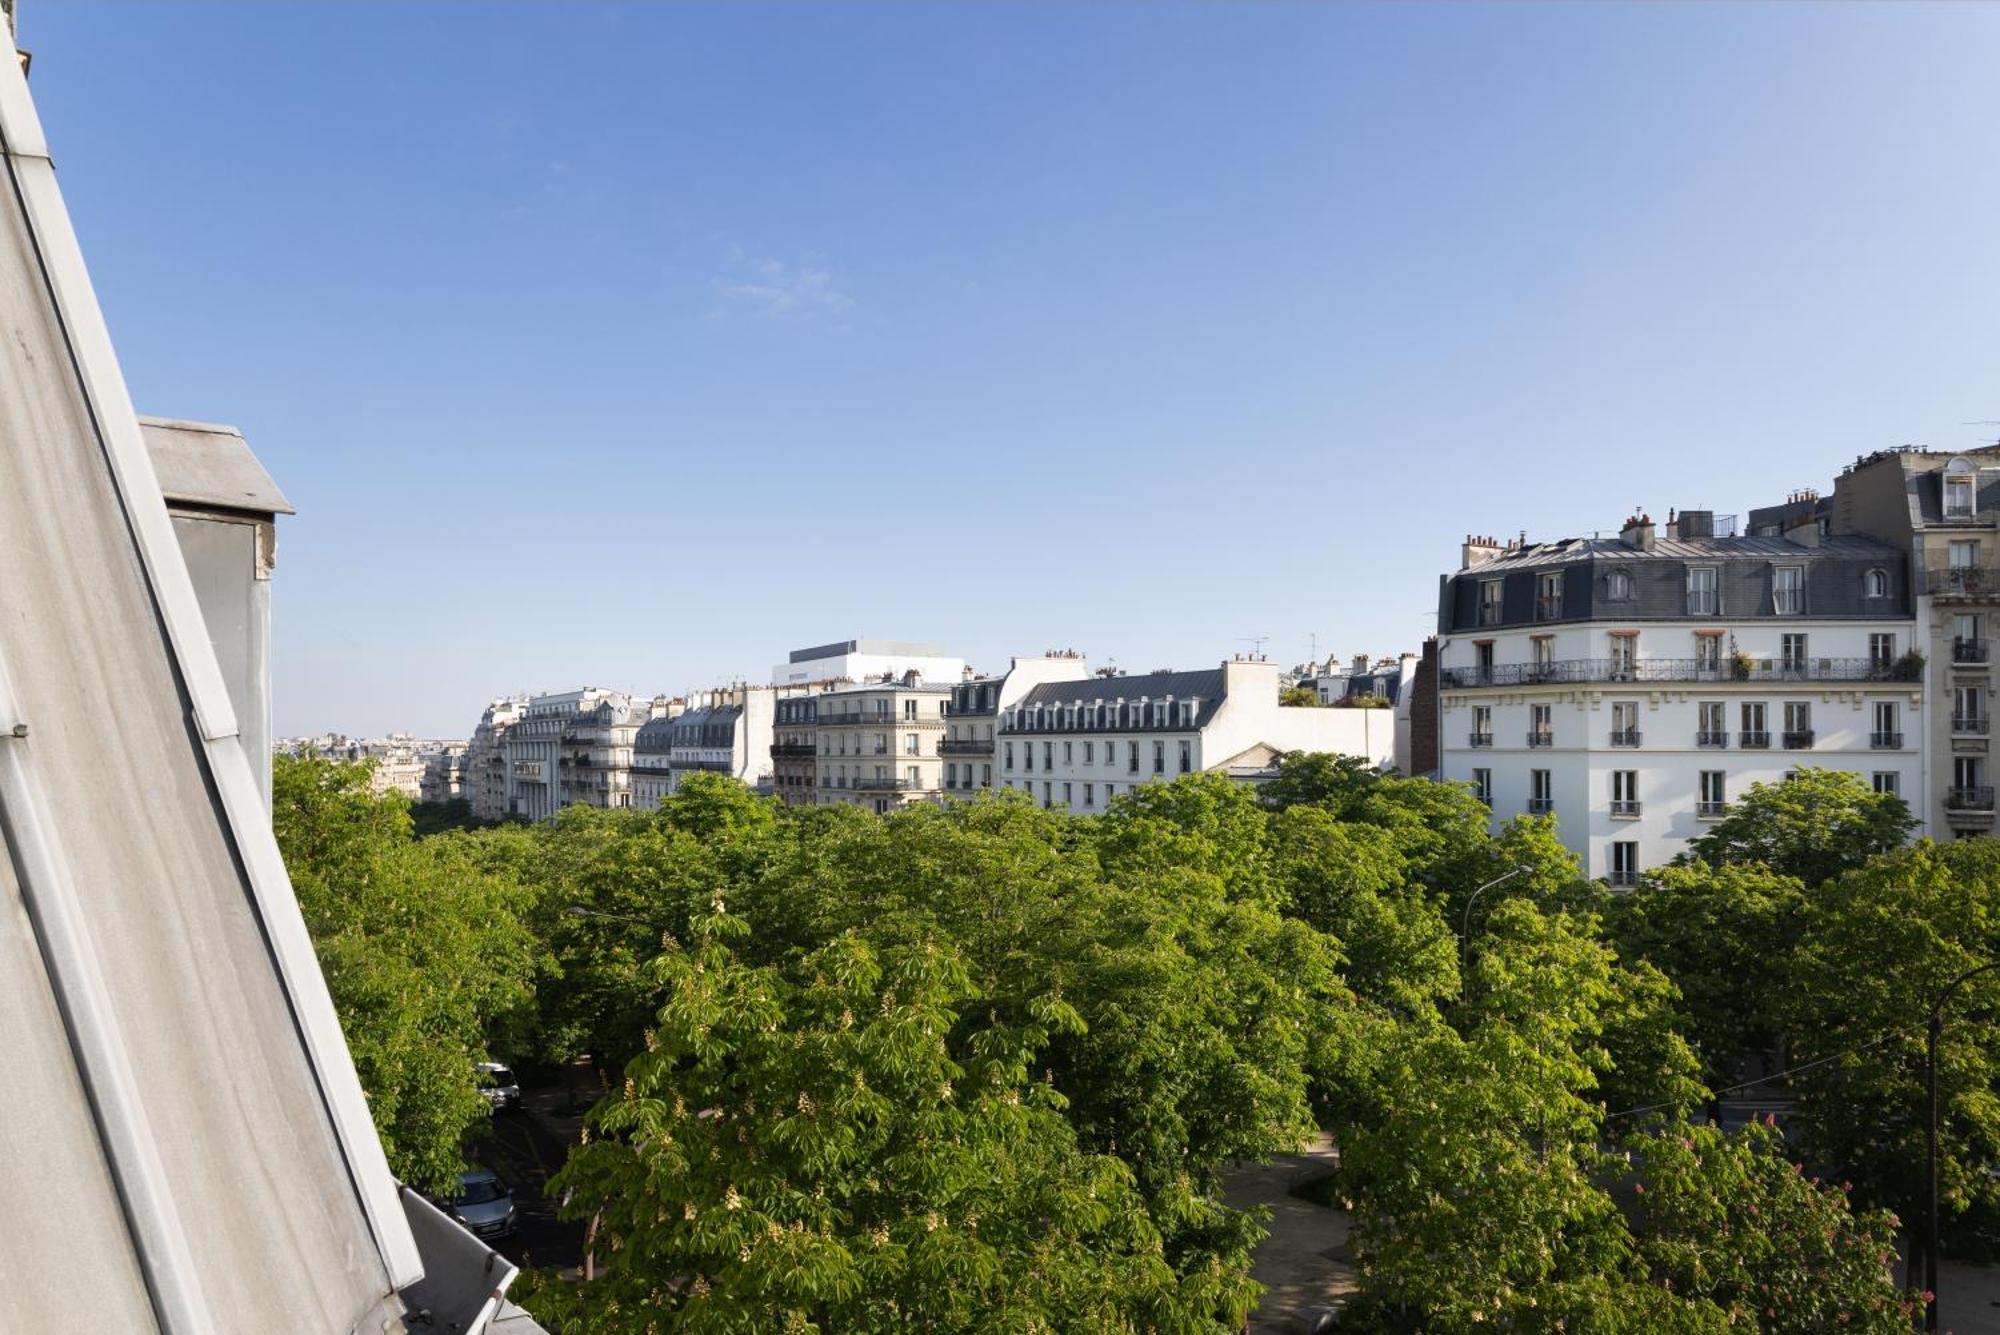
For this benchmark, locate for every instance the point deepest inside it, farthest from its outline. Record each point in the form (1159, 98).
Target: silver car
(483, 1204)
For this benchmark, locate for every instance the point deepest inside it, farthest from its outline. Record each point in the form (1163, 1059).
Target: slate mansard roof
(1836, 581)
(1208, 687)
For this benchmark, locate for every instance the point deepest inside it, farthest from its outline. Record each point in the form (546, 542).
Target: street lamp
(1931, 1176)
(1465, 927)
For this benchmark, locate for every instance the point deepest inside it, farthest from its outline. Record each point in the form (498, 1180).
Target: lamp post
(1931, 1139)
(1465, 926)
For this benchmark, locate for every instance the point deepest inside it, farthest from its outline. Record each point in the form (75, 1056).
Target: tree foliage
(1813, 825)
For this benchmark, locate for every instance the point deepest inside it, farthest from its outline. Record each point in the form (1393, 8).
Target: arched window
(1618, 586)
(1876, 585)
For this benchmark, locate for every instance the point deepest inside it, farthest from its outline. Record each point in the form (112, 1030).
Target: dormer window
(1876, 583)
(1961, 500)
(1489, 602)
(1618, 586)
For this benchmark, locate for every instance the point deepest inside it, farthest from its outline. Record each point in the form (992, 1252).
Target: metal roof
(203, 464)
(1569, 550)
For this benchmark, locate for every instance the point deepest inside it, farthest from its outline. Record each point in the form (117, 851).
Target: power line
(1765, 1080)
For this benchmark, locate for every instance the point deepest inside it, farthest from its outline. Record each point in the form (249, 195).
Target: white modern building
(972, 715)
(866, 660)
(1632, 687)
(1077, 744)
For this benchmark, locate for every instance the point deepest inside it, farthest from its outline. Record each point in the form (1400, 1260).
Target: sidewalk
(1304, 1262)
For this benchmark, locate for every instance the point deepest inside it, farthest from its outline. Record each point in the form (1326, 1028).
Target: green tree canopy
(1813, 825)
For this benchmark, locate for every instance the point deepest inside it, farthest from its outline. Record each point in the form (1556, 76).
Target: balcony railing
(1710, 810)
(1541, 739)
(1489, 614)
(1623, 876)
(1549, 608)
(1886, 741)
(965, 746)
(1577, 670)
(1968, 651)
(1716, 740)
(1965, 582)
(1969, 799)
(1541, 806)
(1625, 810)
(1479, 739)
(1976, 724)
(884, 785)
(792, 750)
(1624, 736)
(1799, 741)
(1754, 741)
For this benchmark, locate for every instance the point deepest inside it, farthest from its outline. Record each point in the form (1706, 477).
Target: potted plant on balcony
(1910, 667)
(1741, 665)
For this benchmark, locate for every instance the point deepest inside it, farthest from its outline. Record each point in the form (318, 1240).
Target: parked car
(482, 1203)
(498, 1086)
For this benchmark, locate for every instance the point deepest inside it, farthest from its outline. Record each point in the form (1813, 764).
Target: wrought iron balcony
(1479, 739)
(1539, 739)
(1624, 736)
(1541, 806)
(1799, 741)
(1886, 741)
(1968, 651)
(1969, 799)
(1973, 724)
(1625, 810)
(1489, 614)
(792, 750)
(965, 746)
(1710, 810)
(1712, 739)
(1754, 741)
(1965, 582)
(884, 785)
(1623, 876)
(1570, 671)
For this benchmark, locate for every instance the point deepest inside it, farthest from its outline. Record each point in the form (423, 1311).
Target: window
(1875, 584)
(1069, 757)
(1549, 596)
(1756, 730)
(1888, 782)
(1489, 602)
(1089, 752)
(909, 709)
(1968, 709)
(1541, 793)
(1624, 862)
(951, 776)
(1187, 757)
(1711, 727)
(1881, 652)
(1887, 735)
(1482, 725)
(1960, 499)
(1541, 725)
(1624, 657)
(1048, 755)
(1159, 757)
(1966, 644)
(1131, 757)
(1625, 723)
(1703, 599)
(1963, 553)
(1482, 785)
(1069, 796)
(1007, 760)
(912, 745)
(985, 776)
(1788, 590)
(1798, 724)
(1625, 793)
(1968, 785)
(1048, 793)
(1618, 586)
(1792, 654)
(1542, 650)
(1090, 794)
(913, 777)
(1714, 794)
(1483, 657)
(1708, 655)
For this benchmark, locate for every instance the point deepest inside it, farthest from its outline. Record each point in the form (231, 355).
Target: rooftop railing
(1568, 671)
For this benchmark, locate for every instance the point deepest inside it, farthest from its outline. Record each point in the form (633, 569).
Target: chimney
(1477, 552)
(1803, 530)
(912, 677)
(1638, 533)
(1697, 524)
(1360, 668)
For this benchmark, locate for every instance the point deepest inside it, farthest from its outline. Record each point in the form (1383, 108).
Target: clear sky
(635, 345)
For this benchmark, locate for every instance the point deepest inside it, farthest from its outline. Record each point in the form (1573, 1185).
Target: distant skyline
(638, 345)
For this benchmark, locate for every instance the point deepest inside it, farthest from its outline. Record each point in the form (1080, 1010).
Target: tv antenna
(1256, 643)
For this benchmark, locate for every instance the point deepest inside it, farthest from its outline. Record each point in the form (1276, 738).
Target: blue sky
(635, 345)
